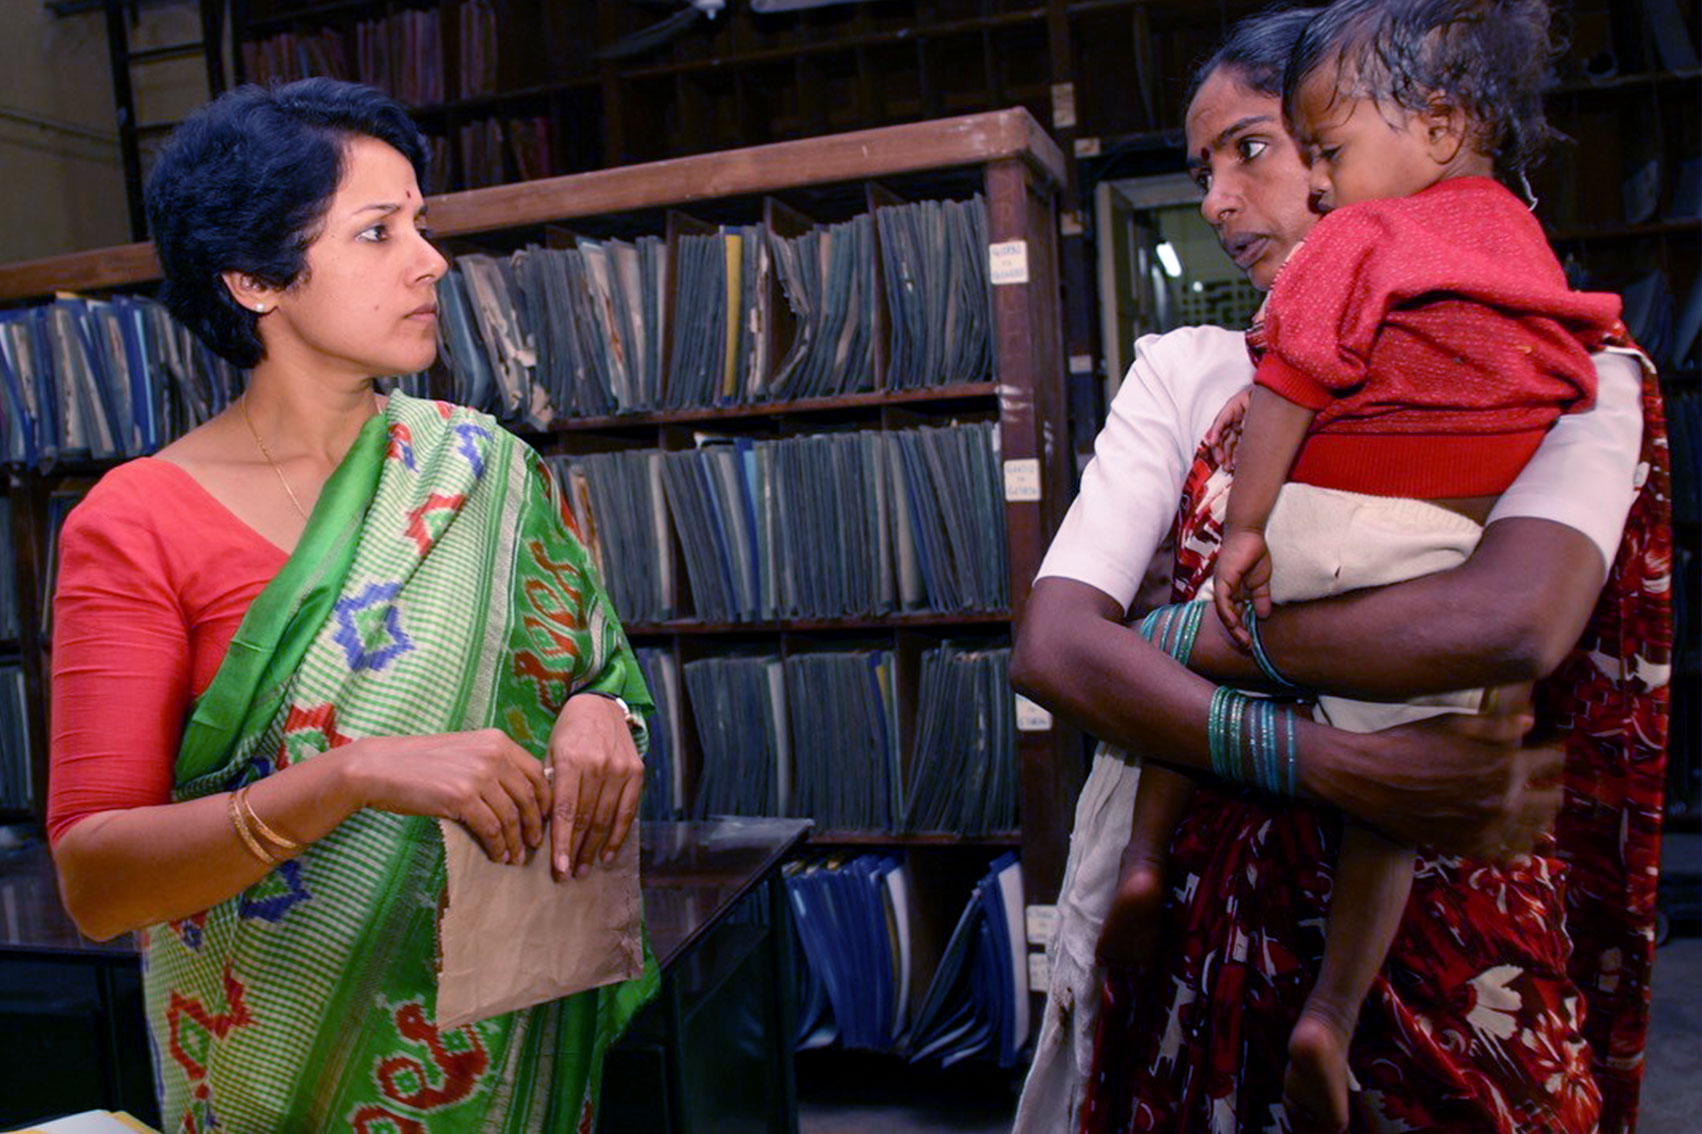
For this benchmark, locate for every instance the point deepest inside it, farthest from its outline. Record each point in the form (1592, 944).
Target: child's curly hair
(1490, 58)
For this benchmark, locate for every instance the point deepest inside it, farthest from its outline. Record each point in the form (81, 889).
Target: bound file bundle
(17, 793)
(102, 378)
(618, 505)
(10, 628)
(732, 315)
(853, 923)
(939, 297)
(817, 734)
(664, 785)
(854, 926)
(964, 775)
(833, 525)
(977, 1001)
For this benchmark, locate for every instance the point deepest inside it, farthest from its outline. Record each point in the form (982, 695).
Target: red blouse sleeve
(121, 666)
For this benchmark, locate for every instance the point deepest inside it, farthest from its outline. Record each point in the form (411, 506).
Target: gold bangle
(238, 821)
(254, 819)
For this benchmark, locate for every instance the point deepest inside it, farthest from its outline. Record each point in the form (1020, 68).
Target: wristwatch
(634, 722)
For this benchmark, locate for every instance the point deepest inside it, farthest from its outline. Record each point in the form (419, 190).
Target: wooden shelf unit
(1004, 155)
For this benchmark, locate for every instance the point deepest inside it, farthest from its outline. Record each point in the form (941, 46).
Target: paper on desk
(511, 936)
(91, 1122)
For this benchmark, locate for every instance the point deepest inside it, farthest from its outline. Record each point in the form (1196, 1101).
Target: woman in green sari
(306, 631)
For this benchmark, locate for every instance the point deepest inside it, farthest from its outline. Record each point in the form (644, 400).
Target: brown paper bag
(511, 936)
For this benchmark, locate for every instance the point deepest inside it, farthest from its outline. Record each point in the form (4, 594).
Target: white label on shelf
(1041, 923)
(1022, 480)
(1069, 223)
(1081, 364)
(1087, 147)
(1031, 717)
(1039, 973)
(1063, 105)
(1008, 262)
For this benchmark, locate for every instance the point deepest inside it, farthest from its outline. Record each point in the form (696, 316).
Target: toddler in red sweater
(1411, 355)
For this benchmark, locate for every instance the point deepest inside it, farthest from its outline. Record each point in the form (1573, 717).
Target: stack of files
(288, 56)
(844, 717)
(939, 296)
(664, 782)
(402, 55)
(823, 511)
(597, 312)
(852, 918)
(16, 791)
(739, 706)
(476, 24)
(949, 518)
(828, 278)
(964, 771)
(481, 148)
(1684, 435)
(713, 496)
(977, 1002)
(1651, 315)
(589, 322)
(102, 379)
(721, 317)
(619, 505)
(9, 625)
(59, 505)
(529, 144)
(483, 294)
(816, 1025)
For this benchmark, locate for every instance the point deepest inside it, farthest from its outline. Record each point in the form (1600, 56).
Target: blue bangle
(1174, 628)
(1260, 657)
(1251, 741)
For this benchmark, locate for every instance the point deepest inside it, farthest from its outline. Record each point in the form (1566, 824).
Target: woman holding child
(1474, 1021)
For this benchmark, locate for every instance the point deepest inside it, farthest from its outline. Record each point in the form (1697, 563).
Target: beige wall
(63, 191)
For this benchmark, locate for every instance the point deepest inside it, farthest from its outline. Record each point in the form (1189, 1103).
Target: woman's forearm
(1074, 655)
(125, 869)
(1508, 614)
(1459, 783)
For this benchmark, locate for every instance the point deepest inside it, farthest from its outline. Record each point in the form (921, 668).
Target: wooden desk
(716, 910)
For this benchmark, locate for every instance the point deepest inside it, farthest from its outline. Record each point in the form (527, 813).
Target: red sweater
(1436, 336)
(155, 576)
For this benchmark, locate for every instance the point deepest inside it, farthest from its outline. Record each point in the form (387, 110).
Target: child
(1412, 354)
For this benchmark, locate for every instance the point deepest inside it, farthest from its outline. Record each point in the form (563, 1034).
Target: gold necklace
(267, 453)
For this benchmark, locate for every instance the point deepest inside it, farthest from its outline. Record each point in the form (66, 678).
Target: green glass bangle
(1262, 659)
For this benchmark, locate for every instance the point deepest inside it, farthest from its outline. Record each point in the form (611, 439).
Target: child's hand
(1243, 575)
(1224, 436)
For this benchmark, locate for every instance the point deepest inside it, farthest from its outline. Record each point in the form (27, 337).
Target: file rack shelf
(1005, 157)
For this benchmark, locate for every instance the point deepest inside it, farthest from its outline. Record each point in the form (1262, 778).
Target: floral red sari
(1476, 1022)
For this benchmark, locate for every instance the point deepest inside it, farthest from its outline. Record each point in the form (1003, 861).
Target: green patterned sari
(437, 588)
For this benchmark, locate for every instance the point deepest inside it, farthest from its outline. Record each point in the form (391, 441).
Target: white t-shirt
(1584, 475)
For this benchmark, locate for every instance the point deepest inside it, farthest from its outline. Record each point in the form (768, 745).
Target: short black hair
(1490, 58)
(1257, 50)
(242, 185)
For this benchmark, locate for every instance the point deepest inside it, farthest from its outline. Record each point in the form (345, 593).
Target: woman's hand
(481, 780)
(598, 778)
(1464, 784)
(1224, 436)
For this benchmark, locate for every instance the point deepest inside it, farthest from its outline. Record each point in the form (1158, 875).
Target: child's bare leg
(1373, 879)
(1130, 934)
